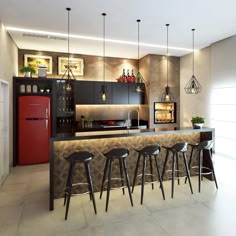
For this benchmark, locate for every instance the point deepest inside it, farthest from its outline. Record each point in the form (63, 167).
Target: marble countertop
(128, 133)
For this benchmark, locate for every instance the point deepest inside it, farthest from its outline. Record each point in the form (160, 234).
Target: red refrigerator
(33, 129)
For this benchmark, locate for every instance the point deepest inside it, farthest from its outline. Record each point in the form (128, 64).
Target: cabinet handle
(46, 123)
(46, 113)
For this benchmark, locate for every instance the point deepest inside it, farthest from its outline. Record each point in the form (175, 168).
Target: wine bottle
(123, 76)
(133, 77)
(128, 76)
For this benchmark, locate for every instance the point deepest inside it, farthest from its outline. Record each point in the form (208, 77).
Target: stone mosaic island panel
(99, 146)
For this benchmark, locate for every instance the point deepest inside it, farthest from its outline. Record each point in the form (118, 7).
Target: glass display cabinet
(164, 112)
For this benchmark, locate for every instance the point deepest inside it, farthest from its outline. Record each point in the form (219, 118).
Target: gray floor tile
(24, 208)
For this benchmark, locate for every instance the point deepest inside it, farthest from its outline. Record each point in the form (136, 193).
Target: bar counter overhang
(64, 145)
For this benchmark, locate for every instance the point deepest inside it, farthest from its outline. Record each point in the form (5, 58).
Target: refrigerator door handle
(46, 120)
(46, 113)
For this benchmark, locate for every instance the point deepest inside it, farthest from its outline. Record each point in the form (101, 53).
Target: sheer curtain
(223, 119)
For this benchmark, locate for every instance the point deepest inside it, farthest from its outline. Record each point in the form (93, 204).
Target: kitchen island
(103, 141)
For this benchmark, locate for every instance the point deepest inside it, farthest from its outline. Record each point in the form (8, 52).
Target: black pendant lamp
(68, 75)
(104, 95)
(167, 95)
(193, 86)
(139, 77)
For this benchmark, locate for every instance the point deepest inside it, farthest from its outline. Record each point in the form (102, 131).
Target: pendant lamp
(193, 86)
(140, 79)
(68, 75)
(104, 95)
(167, 95)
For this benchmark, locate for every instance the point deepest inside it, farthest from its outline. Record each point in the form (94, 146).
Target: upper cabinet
(84, 92)
(97, 92)
(89, 92)
(135, 97)
(120, 93)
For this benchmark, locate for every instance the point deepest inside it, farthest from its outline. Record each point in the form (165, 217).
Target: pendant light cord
(68, 40)
(138, 42)
(104, 15)
(193, 49)
(167, 52)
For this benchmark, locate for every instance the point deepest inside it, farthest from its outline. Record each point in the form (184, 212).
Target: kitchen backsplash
(111, 112)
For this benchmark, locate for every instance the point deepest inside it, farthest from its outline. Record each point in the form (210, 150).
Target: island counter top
(99, 143)
(116, 133)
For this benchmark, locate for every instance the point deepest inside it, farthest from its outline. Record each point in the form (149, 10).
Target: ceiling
(213, 20)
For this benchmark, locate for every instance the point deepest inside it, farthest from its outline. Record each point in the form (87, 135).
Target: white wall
(195, 104)
(8, 68)
(215, 68)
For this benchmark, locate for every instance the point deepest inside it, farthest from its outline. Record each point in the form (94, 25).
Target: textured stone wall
(154, 70)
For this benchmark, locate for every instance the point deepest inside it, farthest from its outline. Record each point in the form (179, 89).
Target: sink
(113, 126)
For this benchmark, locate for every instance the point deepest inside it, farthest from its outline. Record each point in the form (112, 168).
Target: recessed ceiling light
(16, 29)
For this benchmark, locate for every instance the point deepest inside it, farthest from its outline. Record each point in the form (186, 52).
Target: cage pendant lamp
(193, 86)
(167, 95)
(68, 74)
(104, 95)
(139, 77)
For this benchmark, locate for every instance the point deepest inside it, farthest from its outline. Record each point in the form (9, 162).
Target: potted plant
(88, 123)
(197, 122)
(28, 71)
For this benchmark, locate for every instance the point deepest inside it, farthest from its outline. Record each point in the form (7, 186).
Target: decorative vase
(197, 125)
(28, 74)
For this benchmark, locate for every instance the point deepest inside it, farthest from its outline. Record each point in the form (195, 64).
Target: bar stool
(119, 154)
(204, 146)
(76, 158)
(176, 149)
(148, 152)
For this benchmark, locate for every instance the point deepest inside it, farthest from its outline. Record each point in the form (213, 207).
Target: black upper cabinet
(84, 92)
(89, 92)
(134, 96)
(97, 92)
(120, 93)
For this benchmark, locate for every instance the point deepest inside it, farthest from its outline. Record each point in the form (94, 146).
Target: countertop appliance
(33, 129)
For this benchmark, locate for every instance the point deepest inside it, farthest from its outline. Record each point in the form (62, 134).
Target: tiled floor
(24, 208)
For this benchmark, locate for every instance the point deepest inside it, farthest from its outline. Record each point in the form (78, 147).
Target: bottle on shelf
(124, 76)
(128, 79)
(133, 77)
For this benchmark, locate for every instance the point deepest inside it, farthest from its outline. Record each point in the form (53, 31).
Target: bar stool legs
(176, 149)
(127, 181)
(90, 185)
(74, 158)
(147, 153)
(136, 172)
(204, 146)
(120, 154)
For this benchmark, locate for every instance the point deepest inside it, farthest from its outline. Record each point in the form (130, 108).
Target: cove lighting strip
(8, 28)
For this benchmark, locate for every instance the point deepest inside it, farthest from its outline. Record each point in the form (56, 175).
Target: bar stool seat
(119, 154)
(147, 153)
(83, 157)
(177, 149)
(204, 146)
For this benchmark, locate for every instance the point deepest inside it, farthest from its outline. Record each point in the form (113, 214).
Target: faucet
(129, 121)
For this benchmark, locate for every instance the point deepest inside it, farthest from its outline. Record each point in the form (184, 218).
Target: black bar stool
(75, 158)
(204, 146)
(176, 149)
(119, 154)
(148, 152)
